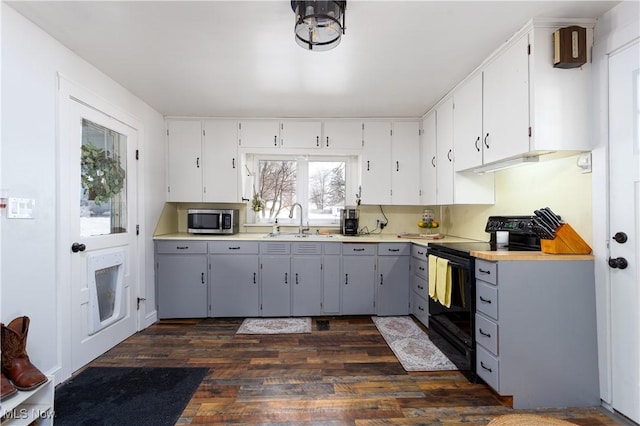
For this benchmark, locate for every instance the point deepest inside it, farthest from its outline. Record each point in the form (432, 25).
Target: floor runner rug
(411, 345)
(126, 396)
(275, 326)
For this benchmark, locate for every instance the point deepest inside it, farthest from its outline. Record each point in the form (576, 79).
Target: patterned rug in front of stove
(411, 345)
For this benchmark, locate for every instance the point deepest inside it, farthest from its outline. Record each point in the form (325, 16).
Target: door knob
(620, 237)
(76, 247)
(619, 263)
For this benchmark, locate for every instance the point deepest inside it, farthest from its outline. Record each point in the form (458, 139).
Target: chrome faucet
(302, 229)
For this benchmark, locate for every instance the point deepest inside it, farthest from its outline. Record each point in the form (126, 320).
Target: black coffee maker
(349, 220)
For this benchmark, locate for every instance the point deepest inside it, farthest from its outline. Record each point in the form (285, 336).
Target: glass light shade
(319, 24)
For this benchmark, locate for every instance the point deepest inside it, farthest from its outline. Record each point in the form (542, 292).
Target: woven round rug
(527, 420)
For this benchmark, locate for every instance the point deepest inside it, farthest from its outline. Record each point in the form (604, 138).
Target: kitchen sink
(301, 236)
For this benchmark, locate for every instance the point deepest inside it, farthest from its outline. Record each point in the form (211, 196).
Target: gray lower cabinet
(275, 277)
(392, 289)
(306, 271)
(535, 331)
(234, 279)
(181, 274)
(358, 278)
(331, 278)
(420, 284)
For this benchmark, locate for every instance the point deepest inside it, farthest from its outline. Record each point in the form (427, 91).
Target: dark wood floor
(346, 375)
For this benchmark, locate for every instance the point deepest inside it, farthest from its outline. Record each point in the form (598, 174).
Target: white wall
(614, 29)
(30, 62)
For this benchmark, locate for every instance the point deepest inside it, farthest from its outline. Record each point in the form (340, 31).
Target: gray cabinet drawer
(233, 247)
(487, 271)
(420, 285)
(487, 333)
(418, 251)
(487, 299)
(488, 368)
(420, 267)
(332, 248)
(420, 309)
(181, 247)
(306, 248)
(394, 249)
(359, 249)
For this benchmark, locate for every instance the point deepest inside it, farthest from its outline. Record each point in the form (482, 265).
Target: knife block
(567, 241)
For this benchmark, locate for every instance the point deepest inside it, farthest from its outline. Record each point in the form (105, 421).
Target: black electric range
(452, 328)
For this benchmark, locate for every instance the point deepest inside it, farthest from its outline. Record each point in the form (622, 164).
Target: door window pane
(103, 194)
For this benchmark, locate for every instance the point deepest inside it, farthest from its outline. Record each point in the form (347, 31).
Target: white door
(98, 196)
(624, 207)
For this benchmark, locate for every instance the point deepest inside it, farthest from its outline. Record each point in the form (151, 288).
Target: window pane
(326, 190)
(103, 194)
(276, 187)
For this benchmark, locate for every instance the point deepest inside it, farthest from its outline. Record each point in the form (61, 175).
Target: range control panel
(515, 224)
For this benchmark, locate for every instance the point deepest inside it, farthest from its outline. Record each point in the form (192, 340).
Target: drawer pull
(420, 253)
(421, 268)
(234, 248)
(420, 287)
(358, 249)
(393, 250)
(483, 333)
(485, 367)
(484, 271)
(182, 247)
(420, 308)
(483, 300)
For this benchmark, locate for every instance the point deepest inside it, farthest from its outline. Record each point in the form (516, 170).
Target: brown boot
(7, 388)
(15, 361)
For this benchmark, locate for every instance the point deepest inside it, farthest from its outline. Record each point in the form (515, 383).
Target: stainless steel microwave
(212, 221)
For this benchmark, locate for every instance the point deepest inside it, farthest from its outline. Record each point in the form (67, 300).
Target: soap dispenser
(275, 230)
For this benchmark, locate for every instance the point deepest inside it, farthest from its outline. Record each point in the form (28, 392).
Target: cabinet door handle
(327, 141)
(381, 279)
(483, 333)
(317, 140)
(484, 271)
(486, 143)
(275, 140)
(433, 161)
(233, 163)
(485, 367)
(254, 278)
(202, 277)
(476, 144)
(346, 279)
(397, 166)
(286, 278)
(297, 278)
(198, 162)
(483, 300)
(449, 155)
(368, 168)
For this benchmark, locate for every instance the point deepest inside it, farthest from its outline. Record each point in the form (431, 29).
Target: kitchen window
(320, 184)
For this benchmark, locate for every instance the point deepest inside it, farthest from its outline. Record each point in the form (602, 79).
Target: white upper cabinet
(220, 161)
(505, 103)
(301, 134)
(376, 166)
(467, 117)
(428, 180)
(259, 134)
(185, 160)
(405, 163)
(444, 152)
(342, 135)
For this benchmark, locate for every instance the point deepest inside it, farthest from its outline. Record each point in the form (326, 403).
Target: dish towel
(443, 282)
(432, 277)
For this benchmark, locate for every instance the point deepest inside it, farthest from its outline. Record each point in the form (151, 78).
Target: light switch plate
(20, 208)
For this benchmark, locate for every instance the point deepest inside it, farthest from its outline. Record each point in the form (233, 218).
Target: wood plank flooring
(345, 375)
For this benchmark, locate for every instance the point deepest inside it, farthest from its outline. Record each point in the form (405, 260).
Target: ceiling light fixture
(319, 24)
